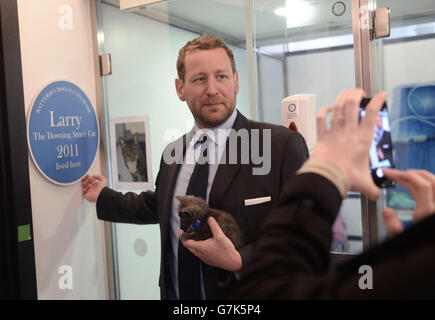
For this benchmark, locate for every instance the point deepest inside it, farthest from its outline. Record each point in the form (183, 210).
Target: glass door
(143, 43)
(404, 67)
(307, 47)
(282, 48)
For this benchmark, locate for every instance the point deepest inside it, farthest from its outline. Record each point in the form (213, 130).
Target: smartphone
(381, 150)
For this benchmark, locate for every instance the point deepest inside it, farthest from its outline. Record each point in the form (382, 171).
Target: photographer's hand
(347, 142)
(421, 186)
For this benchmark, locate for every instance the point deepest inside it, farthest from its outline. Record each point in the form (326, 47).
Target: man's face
(209, 87)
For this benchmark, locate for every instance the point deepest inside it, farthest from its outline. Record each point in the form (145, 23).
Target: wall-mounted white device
(298, 113)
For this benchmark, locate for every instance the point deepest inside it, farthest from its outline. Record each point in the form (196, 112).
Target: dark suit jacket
(232, 184)
(386, 146)
(291, 255)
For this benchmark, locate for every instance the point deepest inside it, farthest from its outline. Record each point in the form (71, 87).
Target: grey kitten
(194, 213)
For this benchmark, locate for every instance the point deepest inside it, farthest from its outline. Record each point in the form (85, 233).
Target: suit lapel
(173, 170)
(226, 172)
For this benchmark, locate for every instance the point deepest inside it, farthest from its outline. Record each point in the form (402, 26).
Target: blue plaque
(62, 132)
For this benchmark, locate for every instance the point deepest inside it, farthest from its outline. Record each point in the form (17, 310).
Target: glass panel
(294, 56)
(407, 72)
(144, 44)
(306, 47)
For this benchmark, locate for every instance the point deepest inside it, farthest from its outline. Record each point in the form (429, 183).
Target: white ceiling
(227, 17)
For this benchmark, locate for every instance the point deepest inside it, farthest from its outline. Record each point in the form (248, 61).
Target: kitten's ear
(180, 197)
(135, 138)
(121, 141)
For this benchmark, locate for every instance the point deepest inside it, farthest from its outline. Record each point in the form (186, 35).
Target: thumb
(370, 190)
(392, 223)
(214, 227)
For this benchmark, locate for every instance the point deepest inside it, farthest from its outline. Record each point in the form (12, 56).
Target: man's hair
(202, 43)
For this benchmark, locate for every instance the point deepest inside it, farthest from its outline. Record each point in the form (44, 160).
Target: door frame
(17, 255)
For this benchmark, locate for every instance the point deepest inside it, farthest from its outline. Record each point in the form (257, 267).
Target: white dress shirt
(217, 138)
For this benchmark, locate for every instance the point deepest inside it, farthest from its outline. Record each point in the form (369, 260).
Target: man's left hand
(217, 251)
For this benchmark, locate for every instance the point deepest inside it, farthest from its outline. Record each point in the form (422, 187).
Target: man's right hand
(92, 186)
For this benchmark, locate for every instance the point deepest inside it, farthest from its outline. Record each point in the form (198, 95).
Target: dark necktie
(189, 285)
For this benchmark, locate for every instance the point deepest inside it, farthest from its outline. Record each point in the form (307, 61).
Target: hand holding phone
(346, 143)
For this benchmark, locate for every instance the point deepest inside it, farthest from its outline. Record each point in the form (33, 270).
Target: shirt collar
(219, 134)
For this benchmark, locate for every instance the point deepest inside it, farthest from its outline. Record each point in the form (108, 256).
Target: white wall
(271, 86)
(326, 74)
(66, 230)
(409, 62)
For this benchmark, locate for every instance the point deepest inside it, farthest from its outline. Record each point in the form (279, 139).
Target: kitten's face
(191, 209)
(130, 148)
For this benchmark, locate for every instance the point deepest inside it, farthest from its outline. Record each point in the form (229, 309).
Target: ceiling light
(296, 12)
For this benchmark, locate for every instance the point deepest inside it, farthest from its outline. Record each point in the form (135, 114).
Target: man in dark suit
(383, 142)
(208, 82)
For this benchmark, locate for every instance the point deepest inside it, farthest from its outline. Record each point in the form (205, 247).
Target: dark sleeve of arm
(293, 241)
(130, 207)
(127, 208)
(296, 153)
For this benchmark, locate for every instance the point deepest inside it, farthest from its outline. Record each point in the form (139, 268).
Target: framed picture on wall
(131, 153)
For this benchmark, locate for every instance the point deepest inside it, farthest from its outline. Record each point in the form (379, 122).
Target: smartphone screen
(381, 150)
